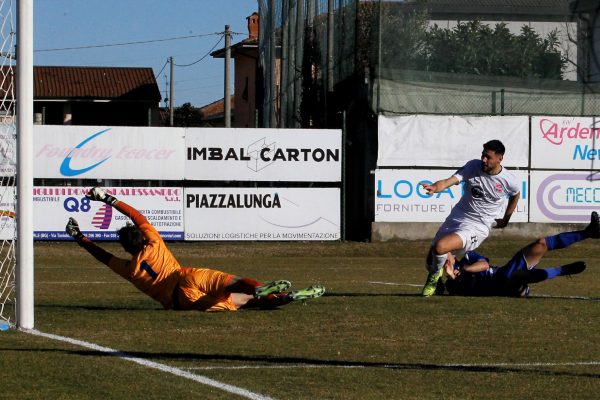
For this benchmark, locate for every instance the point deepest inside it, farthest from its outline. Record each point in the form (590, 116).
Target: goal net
(7, 166)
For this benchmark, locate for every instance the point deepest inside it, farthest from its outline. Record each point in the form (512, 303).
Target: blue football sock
(564, 239)
(537, 275)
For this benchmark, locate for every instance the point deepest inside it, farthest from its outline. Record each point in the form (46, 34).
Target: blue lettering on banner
(65, 167)
(400, 184)
(404, 189)
(71, 204)
(380, 194)
(582, 195)
(582, 153)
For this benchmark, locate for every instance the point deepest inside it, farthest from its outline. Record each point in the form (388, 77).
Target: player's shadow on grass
(90, 307)
(269, 361)
(534, 297)
(339, 294)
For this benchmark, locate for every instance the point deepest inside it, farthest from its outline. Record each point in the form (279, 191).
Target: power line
(161, 70)
(203, 57)
(128, 43)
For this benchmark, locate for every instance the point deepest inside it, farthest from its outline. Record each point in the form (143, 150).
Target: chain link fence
(305, 47)
(429, 57)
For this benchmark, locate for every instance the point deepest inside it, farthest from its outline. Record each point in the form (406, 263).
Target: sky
(115, 24)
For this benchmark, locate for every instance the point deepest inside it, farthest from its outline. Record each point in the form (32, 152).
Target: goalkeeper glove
(99, 194)
(72, 229)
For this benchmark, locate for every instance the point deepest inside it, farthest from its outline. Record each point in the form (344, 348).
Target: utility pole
(227, 95)
(273, 97)
(283, 64)
(330, 37)
(171, 98)
(300, 19)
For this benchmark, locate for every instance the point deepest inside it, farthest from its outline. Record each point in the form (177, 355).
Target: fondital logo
(87, 155)
(65, 167)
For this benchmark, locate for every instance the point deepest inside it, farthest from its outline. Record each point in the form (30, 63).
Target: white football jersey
(484, 195)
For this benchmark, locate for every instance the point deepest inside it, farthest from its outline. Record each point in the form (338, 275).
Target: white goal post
(24, 292)
(8, 167)
(16, 164)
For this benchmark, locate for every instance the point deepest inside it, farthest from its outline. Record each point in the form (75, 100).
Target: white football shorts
(471, 233)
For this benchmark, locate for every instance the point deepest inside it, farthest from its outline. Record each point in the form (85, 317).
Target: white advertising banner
(262, 214)
(449, 141)
(565, 143)
(400, 198)
(7, 213)
(62, 151)
(564, 196)
(299, 155)
(163, 207)
(8, 149)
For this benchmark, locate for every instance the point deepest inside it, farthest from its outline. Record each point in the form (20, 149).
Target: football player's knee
(441, 248)
(541, 244)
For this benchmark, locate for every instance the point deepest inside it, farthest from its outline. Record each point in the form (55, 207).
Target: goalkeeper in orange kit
(154, 270)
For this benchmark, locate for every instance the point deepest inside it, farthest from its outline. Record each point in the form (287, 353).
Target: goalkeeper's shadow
(269, 361)
(90, 307)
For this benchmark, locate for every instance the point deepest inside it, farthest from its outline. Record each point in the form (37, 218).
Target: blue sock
(564, 239)
(537, 275)
(552, 272)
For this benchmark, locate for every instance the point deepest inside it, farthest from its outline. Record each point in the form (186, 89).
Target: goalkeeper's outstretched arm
(99, 194)
(97, 252)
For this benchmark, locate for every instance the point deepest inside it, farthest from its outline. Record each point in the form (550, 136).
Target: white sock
(435, 262)
(439, 260)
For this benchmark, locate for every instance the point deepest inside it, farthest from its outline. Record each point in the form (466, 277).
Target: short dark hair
(131, 238)
(494, 145)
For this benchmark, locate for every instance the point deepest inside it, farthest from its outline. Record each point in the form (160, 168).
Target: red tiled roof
(107, 83)
(95, 82)
(215, 109)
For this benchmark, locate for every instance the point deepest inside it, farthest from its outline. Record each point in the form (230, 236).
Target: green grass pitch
(370, 337)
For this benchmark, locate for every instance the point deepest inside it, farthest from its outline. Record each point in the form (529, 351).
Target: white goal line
(154, 365)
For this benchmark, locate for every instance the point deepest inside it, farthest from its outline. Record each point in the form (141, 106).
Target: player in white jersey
(487, 186)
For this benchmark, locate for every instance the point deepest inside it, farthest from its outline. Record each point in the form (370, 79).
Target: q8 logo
(72, 204)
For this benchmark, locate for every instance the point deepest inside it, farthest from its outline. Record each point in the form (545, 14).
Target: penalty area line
(154, 365)
(401, 366)
(394, 284)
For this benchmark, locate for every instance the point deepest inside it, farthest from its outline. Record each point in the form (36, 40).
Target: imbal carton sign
(298, 155)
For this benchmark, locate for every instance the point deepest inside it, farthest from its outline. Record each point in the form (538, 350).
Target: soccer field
(370, 337)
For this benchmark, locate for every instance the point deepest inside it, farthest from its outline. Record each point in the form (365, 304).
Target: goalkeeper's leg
(267, 302)
(243, 285)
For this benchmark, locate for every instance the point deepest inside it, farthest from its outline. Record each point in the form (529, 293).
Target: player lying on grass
(154, 270)
(474, 276)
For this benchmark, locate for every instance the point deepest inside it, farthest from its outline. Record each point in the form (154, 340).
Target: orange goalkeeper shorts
(204, 289)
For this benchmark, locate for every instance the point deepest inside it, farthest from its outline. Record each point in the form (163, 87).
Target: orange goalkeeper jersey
(154, 270)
